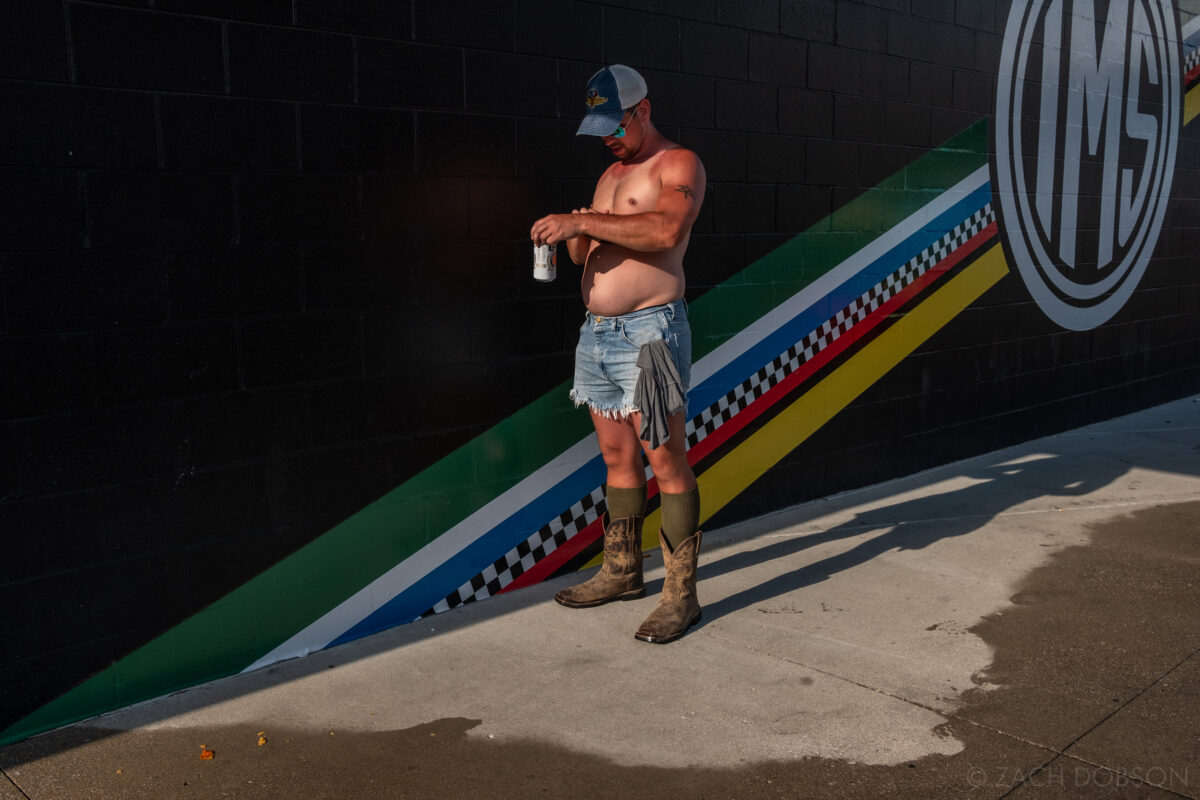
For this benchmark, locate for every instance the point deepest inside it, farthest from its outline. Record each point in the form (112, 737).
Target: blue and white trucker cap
(609, 92)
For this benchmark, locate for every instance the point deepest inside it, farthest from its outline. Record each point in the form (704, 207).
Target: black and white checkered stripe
(1191, 60)
(512, 565)
(787, 362)
(557, 531)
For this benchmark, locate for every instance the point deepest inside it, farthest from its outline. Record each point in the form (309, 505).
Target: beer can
(545, 262)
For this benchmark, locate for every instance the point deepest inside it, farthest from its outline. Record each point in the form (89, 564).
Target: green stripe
(763, 285)
(263, 613)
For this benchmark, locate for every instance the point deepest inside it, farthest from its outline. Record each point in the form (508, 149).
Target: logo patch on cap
(594, 99)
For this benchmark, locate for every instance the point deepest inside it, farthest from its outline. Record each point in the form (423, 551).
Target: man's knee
(671, 467)
(619, 445)
(621, 457)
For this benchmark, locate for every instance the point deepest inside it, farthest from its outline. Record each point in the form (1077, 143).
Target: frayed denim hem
(620, 413)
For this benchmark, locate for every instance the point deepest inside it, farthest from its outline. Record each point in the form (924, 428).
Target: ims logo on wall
(1088, 114)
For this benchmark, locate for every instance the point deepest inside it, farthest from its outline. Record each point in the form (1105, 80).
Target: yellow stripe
(1191, 104)
(747, 462)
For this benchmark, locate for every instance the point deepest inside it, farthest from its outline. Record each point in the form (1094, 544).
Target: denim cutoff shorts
(606, 369)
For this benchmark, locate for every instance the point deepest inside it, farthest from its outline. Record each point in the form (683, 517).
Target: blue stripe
(434, 586)
(794, 330)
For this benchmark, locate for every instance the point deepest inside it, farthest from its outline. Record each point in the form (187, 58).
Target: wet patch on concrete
(1100, 640)
(442, 759)
(1093, 693)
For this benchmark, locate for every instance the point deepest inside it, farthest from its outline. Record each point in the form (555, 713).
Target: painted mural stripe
(455, 543)
(560, 539)
(751, 459)
(561, 556)
(1189, 32)
(814, 350)
(789, 373)
(741, 301)
(706, 371)
(541, 569)
(868, 274)
(853, 309)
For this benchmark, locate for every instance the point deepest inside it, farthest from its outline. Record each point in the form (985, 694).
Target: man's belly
(615, 286)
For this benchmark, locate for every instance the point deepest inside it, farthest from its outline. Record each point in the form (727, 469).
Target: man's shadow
(914, 524)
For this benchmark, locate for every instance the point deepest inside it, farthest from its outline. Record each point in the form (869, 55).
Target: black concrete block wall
(261, 262)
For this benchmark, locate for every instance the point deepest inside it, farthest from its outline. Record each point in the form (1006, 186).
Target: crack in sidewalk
(1065, 754)
(14, 784)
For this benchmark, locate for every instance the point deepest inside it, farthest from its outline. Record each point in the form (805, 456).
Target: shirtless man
(631, 241)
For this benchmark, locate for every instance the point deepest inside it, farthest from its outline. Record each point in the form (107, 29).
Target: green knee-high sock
(624, 503)
(680, 515)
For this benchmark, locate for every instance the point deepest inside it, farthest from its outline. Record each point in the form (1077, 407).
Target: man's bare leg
(625, 484)
(668, 460)
(620, 578)
(676, 480)
(678, 608)
(621, 450)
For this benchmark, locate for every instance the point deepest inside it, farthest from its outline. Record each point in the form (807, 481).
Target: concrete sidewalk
(1023, 624)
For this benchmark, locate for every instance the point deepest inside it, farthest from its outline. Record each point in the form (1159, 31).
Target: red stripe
(836, 347)
(576, 544)
(1191, 75)
(547, 566)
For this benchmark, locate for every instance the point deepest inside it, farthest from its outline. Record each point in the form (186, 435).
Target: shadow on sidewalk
(916, 523)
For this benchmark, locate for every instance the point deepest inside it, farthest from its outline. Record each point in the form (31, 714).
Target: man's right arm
(579, 246)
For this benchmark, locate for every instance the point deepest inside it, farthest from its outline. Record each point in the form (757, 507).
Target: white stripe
(375, 594)
(404, 575)
(1191, 32)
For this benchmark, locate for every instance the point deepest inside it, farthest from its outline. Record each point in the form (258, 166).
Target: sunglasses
(619, 133)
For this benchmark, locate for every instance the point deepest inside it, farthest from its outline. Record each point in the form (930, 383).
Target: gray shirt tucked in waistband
(658, 393)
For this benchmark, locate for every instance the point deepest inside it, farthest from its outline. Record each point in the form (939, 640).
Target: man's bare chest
(629, 192)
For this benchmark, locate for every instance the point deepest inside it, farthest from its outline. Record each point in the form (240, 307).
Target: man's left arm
(679, 199)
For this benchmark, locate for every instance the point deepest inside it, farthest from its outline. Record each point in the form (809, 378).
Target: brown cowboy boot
(679, 608)
(621, 576)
